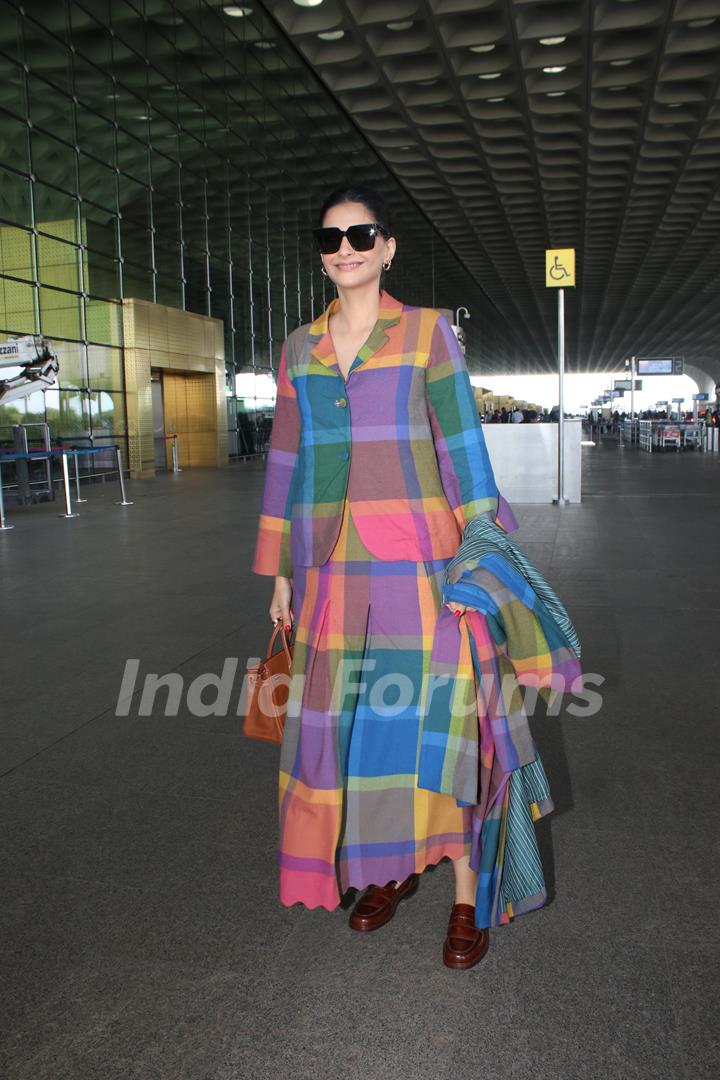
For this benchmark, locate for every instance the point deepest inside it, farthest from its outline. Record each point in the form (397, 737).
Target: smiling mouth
(347, 266)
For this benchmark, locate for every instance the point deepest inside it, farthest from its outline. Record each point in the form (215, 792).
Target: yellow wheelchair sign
(560, 268)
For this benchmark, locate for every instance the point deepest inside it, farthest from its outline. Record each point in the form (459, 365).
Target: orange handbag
(268, 689)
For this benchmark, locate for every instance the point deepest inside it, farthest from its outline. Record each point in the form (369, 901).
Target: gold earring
(387, 265)
(323, 271)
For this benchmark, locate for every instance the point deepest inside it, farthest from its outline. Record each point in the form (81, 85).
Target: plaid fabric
(485, 546)
(514, 641)
(476, 743)
(400, 439)
(351, 811)
(510, 875)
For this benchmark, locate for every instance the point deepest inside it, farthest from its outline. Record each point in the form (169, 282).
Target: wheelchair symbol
(557, 271)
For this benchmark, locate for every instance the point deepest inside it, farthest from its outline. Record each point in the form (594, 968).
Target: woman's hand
(458, 609)
(280, 603)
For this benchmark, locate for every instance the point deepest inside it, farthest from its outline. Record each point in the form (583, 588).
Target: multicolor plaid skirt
(351, 813)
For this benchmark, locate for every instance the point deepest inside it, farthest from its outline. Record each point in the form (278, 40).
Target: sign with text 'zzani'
(560, 268)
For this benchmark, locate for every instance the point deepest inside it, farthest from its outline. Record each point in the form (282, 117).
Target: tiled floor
(141, 936)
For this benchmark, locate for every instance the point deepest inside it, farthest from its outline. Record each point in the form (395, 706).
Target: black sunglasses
(360, 238)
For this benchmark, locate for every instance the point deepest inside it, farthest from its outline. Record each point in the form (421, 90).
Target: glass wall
(177, 151)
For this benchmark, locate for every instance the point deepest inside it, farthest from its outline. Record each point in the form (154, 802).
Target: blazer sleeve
(272, 550)
(465, 470)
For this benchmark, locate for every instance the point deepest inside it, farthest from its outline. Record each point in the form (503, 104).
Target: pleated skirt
(351, 813)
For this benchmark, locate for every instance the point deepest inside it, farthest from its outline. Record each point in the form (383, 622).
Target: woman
(377, 463)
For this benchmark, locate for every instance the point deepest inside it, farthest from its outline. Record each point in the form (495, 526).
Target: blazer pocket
(404, 530)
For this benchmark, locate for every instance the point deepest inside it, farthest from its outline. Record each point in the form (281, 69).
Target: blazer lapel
(320, 339)
(389, 315)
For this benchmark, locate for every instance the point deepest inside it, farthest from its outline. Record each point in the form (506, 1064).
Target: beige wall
(190, 351)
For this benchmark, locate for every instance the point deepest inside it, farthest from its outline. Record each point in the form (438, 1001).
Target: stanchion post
(66, 485)
(77, 479)
(123, 500)
(3, 523)
(176, 464)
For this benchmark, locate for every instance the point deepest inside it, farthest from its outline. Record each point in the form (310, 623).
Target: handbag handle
(278, 629)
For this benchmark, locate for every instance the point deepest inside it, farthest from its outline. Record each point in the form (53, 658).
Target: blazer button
(344, 456)
(341, 402)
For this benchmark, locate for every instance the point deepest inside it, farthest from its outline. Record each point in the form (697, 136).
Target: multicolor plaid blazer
(400, 438)
(517, 635)
(476, 743)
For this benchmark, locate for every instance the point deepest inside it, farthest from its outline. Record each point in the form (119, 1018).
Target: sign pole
(561, 401)
(560, 274)
(632, 388)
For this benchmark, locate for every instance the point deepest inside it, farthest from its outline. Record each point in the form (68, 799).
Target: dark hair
(357, 193)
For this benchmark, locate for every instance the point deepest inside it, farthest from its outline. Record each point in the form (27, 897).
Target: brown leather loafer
(465, 945)
(377, 904)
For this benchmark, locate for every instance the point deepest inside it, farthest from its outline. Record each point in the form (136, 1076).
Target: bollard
(77, 480)
(3, 524)
(176, 466)
(66, 484)
(123, 500)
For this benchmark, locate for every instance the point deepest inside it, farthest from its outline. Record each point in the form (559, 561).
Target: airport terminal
(551, 171)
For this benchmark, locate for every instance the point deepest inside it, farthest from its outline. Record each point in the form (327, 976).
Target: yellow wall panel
(189, 350)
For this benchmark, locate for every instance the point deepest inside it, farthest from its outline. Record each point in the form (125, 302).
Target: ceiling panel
(518, 126)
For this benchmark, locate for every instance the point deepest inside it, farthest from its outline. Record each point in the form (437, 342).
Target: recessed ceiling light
(308, 3)
(700, 24)
(675, 104)
(617, 88)
(555, 70)
(427, 82)
(235, 11)
(332, 35)
(481, 48)
(555, 93)
(404, 25)
(142, 116)
(620, 63)
(491, 75)
(494, 99)
(552, 40)
(265, 44)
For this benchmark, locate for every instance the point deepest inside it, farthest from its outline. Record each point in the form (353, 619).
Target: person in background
(517, 415)
(504, 415)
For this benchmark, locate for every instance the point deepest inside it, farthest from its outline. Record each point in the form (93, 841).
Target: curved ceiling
(518, 126)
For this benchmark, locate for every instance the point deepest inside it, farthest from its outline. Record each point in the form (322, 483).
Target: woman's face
(348, 268)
